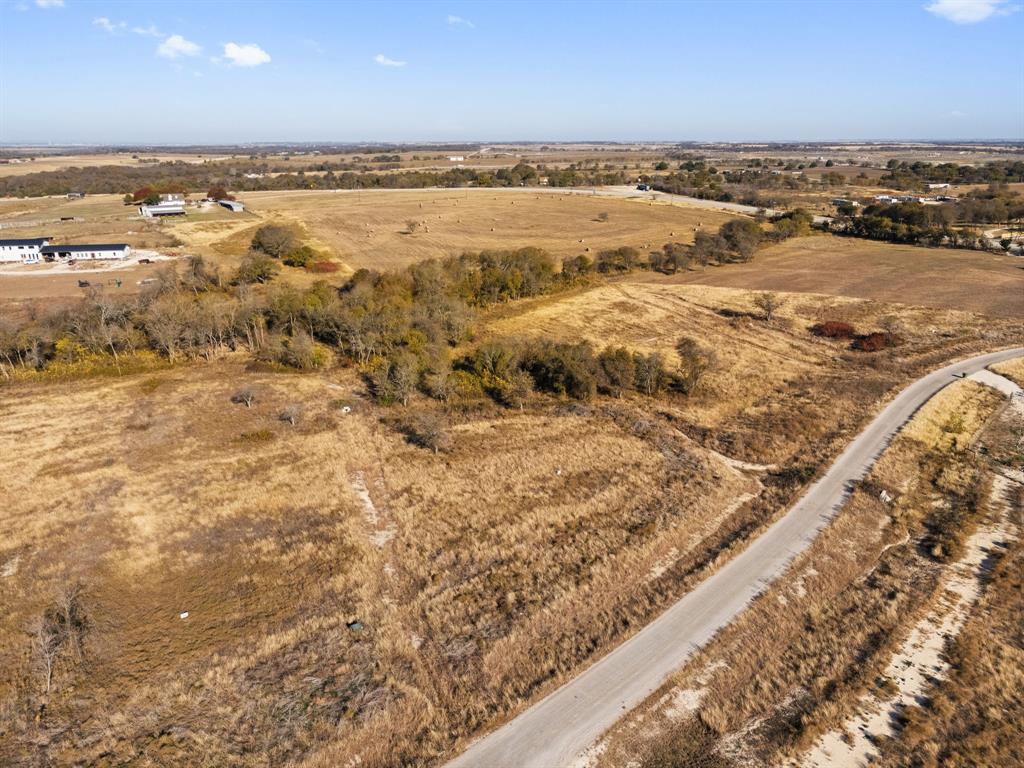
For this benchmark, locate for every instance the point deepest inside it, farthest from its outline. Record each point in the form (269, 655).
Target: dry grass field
(354, 598)
(369, 228)
(991, 284)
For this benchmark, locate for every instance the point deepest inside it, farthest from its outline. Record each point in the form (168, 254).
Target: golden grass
(949, 421)
(1011, 369)
(368, 228)
(942, 278)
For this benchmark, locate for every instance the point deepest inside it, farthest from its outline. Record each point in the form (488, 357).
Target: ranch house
(25, 251)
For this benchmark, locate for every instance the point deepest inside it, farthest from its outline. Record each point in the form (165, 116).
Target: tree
(616, 371)
(769, 304)
(217, 192)
(693, 364)
(244, 396)
(275, 240)
(256, 268)
(428, 430)
(291, 414)
(742, 237)
(651, 377)
(602, 216)
(411, 225)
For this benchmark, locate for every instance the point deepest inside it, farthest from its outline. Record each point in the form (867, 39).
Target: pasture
(941, 278)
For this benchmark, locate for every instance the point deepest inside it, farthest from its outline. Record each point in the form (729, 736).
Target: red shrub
(872, 342)
(834, 329)
(324, 266)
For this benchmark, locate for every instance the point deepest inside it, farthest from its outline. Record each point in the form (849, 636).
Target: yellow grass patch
(1011, 369)
(950, 420)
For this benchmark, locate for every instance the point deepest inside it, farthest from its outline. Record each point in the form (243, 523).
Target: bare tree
(291, 414)
(46, 644)
(769, 304)
(244, 396)
(411, 226)
(602, 216)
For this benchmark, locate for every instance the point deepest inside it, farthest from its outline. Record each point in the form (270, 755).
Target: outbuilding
(232, 205)
(89, 251)
(162, 209)
(24, 251)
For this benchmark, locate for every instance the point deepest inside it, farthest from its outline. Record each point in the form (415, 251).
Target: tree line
(182, 176)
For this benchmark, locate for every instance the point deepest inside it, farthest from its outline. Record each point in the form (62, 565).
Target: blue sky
(226, 72)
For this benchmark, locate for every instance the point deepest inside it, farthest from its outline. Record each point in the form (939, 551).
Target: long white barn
(86, 251)
(24, 251)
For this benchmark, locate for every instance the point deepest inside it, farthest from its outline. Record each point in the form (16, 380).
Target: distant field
(89, 160)
(944, 278)
(369, 229)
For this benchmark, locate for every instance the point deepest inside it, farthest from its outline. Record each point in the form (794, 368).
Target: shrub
(563, 369)
(834, 329)
(302, 256)
(872, 342)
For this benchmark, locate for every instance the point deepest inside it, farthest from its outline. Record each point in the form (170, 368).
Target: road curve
(555, 730)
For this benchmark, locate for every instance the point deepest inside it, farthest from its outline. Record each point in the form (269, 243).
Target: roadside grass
(1011, 369)
(827, 630)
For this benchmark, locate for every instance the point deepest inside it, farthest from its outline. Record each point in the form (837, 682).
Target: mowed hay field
(369, 228)
(354, 599)
(987, 283)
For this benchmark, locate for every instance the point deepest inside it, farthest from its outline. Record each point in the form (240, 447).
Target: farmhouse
(232, 205)
(86, 251)
(162, 209)
(172, 197)
(456, 158)
(24, 251)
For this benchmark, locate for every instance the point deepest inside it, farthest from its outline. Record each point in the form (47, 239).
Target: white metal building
(86, 251)
(232, 205)
(162, 209)
(25, 251)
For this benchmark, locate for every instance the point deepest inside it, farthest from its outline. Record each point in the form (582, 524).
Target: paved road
(557, 729)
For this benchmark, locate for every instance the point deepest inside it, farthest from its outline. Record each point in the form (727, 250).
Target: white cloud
(50, 3)
(957, 113)
(970, 11)
(248, 55)
(107, 25)
(384, 61)
(458, 21)
(149, 31)
(175, 46)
